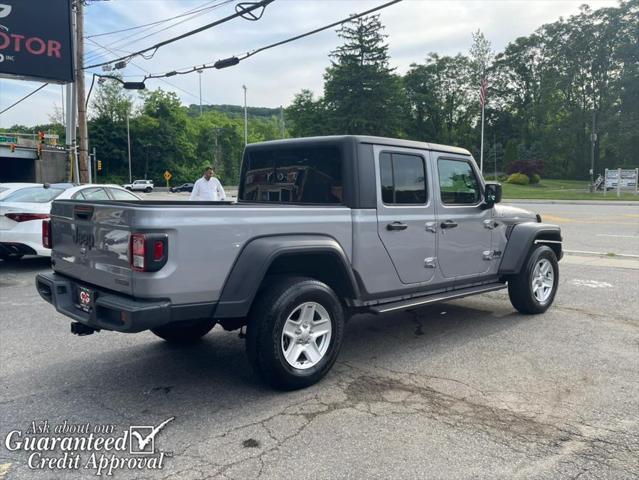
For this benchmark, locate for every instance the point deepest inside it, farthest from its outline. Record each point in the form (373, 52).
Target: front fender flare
(521, 240)
(256, 257)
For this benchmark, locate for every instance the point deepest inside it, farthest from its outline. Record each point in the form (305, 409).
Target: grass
(562, 190)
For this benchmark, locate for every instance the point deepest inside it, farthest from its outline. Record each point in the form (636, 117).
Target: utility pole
(245, 118)
(495, 155)
(95, 166)
(128, 140)
(593, 141)
(216, 151)
(200, 77)
(71, 112)
(82, 111)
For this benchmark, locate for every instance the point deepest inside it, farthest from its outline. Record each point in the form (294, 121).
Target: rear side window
(293, 175)
(92, 194)
(33, 195)
(122, 194)
(403, 179)
(457, 182)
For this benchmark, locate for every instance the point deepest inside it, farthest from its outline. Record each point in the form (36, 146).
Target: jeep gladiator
(323, 228)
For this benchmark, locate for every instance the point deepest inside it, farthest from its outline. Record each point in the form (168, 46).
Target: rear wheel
(534, 289)
(184, 332)
(148, 189)
(10, 258)
(295, 332)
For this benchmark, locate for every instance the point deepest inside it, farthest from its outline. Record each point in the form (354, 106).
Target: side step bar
(439, 297)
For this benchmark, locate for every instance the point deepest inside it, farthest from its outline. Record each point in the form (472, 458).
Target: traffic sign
(167, 175)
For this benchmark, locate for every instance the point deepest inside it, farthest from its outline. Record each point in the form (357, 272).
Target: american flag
(483, 92)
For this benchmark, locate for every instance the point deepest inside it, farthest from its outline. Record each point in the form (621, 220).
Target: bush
(535, 179)
(527, 167)
(518, 179)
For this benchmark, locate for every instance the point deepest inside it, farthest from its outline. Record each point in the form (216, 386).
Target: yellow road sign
(167, 175)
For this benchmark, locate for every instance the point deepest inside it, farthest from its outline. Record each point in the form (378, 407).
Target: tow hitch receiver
(82, 330)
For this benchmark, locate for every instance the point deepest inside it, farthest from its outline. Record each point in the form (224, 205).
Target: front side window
(458, 183)
(403, 179)
(293, 175)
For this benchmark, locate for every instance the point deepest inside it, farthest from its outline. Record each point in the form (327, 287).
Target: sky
(414, 28)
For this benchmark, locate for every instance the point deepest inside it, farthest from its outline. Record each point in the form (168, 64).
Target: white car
(7, 189)
(22, 212)
(140, 186)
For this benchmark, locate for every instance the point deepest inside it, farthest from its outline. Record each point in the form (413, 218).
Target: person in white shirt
(208, 188)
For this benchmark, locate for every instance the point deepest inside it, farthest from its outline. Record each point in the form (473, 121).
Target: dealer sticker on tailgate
(85, 299)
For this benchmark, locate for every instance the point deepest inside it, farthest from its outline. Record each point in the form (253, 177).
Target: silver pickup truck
(323, 228)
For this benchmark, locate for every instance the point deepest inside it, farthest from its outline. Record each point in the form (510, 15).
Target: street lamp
(245, 118)
(200, 77)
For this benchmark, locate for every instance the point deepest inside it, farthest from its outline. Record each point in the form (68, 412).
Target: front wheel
(534, 289)
(184, 332)
(295, 332)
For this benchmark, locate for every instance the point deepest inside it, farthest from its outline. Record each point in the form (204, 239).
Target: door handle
(396, 226)
(448, 224)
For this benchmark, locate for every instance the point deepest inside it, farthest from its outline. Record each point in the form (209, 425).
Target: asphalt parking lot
(464, 389)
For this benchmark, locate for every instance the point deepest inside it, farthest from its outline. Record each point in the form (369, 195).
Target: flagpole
(481, 148)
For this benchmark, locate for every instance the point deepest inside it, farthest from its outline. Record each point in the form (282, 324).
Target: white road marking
(590, 283)
(616, 236)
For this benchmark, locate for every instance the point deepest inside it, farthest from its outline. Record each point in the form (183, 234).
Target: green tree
(306, 116)
(361, 92)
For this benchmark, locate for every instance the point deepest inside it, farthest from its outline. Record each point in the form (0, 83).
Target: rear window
(293, 175)
(33, 195)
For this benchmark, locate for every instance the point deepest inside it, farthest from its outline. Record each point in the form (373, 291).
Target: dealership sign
(35, 40)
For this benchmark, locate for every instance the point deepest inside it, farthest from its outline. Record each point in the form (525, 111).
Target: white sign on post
(621, 178)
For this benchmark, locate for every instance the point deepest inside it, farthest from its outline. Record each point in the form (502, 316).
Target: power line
(24, 98)
(235, 60)
(135, 37)
(139, 68)
(317, 30)
(188, 12)
(239, 13)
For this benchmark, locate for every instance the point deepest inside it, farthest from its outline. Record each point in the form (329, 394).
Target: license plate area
(84, 298)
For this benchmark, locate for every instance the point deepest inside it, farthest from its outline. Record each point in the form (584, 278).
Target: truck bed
(91, 241)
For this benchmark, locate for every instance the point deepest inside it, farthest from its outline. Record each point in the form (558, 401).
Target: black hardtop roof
(392, 142)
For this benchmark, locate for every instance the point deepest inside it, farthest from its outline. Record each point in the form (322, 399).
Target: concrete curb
(625, 203)
(618, 256)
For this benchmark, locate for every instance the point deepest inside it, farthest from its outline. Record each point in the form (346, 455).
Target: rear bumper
(113, 311)
(11, 249)
(20, 242)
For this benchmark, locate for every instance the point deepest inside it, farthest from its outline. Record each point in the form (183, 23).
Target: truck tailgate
(91, 243)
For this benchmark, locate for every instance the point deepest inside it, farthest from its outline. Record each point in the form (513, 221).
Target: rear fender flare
(252, 264)
(522, 239)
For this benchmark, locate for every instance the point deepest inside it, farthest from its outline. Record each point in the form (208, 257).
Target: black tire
(520, 287)
(129, 189)
(12, 258)
(183, 333)
(148, 190)
(264, 344)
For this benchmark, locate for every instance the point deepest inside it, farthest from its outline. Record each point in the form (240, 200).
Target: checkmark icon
(144, 439)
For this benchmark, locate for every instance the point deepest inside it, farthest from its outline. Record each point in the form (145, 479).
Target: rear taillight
(138, 251)
(158, 250)
(148, 252)
(46, 234)
(25, 217)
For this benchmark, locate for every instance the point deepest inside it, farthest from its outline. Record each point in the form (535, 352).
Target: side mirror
(492, 194)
